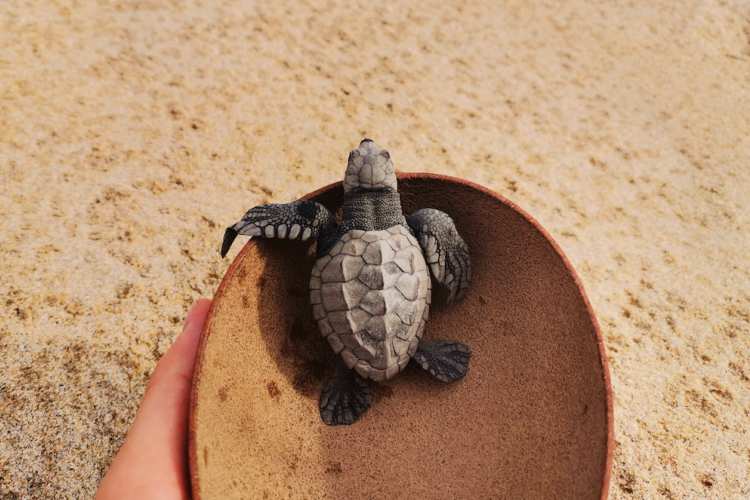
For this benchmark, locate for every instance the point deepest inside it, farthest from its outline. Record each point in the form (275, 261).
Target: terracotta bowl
(532, 419)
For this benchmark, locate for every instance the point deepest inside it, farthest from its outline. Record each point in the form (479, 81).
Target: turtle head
(369, 168)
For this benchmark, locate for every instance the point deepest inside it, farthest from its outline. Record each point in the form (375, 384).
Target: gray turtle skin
(370, 287)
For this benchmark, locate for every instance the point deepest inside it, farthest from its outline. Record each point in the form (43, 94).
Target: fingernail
(190, 318)
(193, 314)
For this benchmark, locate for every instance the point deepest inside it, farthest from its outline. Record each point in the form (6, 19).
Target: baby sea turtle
(370, 286)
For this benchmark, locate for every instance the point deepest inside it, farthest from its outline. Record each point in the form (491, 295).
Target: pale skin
(152, 463)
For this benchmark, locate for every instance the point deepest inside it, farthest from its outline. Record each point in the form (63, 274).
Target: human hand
(152, 463)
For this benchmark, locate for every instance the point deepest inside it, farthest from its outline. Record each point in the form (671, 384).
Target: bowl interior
(530, 420)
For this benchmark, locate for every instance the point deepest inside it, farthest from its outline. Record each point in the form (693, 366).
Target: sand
(130, 134)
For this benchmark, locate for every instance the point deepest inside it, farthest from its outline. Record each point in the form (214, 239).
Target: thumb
(162, 417)
(154, 452)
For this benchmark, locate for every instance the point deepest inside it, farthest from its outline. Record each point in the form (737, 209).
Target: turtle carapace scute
(371, 287)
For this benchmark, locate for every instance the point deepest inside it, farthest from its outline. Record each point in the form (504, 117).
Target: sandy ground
(131, 133)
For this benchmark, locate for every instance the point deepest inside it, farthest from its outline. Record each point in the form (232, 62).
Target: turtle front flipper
(345, 398)
(299, 220)
(444, 360)
(445, 251)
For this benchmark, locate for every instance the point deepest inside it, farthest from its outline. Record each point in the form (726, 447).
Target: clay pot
(532, 419)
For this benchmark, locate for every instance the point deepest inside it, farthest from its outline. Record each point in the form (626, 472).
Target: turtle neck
(372, 210)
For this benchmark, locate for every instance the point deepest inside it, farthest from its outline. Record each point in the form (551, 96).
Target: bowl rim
(603, 360)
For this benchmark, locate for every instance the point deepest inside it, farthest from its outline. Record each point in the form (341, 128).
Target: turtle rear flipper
(345, 398)
(446, 361)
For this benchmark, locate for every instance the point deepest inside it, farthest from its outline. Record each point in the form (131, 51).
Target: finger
(153, 457)
(180, 358)
(163, 413)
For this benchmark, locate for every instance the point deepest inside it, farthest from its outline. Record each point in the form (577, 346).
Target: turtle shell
(370, 296)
